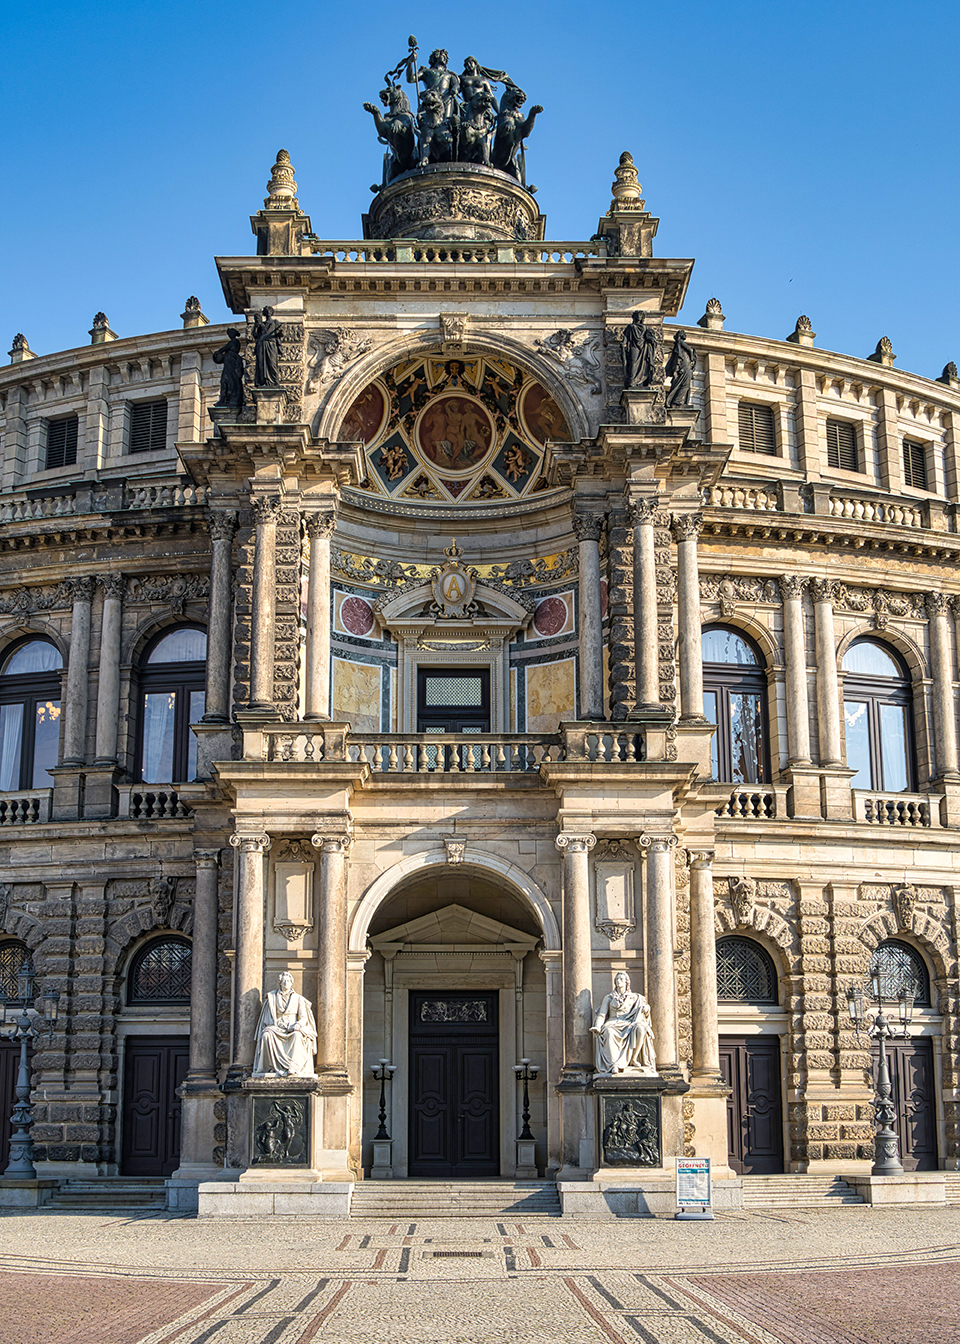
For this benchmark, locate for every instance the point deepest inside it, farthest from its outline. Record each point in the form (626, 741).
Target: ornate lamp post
(526, 1074)
(383, 1073)
(26, 1023)
(878, 1025)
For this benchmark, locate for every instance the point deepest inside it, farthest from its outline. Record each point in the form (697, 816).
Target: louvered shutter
(148, 426)
(842, 445)
(915, 464)
(62, 442)
(757, 431)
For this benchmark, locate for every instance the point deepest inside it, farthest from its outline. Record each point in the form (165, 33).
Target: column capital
(222, 524)
(113, 586)
(266, 508)
(657, 842)
(700, 858)
(826, 590)
(936, 603)
(575, 844)
(81, 590)
(207, 858)
(321, 523)
(332, 844)
(686, 525)
(251, 842)
(792, 585)
(588, 526)
(642, 510)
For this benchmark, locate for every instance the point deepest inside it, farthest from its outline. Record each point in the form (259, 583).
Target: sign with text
(693, 1181)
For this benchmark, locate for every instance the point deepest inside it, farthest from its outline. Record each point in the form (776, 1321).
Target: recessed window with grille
(12, 957)
(757, 429)
(745, 972)
(148, 426)
(451, 700)
(901, 967)
(842, 445)
(915, 464)
(62, 442)
(161, 972)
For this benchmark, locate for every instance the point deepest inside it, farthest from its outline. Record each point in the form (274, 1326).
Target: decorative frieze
(174, 590)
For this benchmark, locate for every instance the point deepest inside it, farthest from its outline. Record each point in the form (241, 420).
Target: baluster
(393, 758)
(500, 756)
(408, 758)
(424, 757)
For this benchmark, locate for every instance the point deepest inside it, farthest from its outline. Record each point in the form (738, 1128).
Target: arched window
(29, 714)
(12, 956)
(160, 972)
(734, 687)
(745, 972)
(878, 718)
(901, 967)
(172, 697)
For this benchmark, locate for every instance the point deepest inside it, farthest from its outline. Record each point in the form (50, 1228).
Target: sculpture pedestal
(527, 1160)
(269, 404)
(382, 1168)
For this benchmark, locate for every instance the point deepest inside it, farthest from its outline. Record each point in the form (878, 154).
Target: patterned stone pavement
(846, 1276)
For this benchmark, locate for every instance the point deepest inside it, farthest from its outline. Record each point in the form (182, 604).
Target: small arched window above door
(160, 972)
(734, 691)
(13, 954)
(901, 966)
(745, 972)
(878, 718)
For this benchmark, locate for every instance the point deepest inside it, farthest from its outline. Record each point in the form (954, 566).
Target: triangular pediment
(454, 924)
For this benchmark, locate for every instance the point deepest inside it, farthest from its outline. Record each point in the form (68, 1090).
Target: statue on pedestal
(266, 334)
(286, 1034)
(639, 353)
(680, 367)
(624, 1032)
(231, 379)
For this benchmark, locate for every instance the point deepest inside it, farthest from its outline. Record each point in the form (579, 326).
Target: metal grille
(842, 445)
(11, 961)
(148, 426)
(460, 692)
(757, 433)
(901, 967)
(915, 465)
(62, 442)
(161, 973)
(453, 1010)
(745, 974)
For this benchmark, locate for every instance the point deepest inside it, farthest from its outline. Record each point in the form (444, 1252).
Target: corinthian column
(828, 685)
(108, 686)
(75, 707)
(703, 967)
(795, 657)
(332, 961)
(944, 697)
(203, 972)
(686, 529)
(660, 983)
(266, 510)
(588, 528)
(646, 650)
(319, 529)
(248, 982)
(577, 953)
(222, 529)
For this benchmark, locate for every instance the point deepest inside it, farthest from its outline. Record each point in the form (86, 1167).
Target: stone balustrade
(163, 495)
(498, 253)
(25, 807)
(145, 802)
(752, 804)
(896, 809)
(876, 511)
(740, 497)
(454, 753)
(20, 509)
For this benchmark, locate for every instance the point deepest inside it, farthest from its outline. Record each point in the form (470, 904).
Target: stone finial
(100, 331)
(713, 318)
(950, 376)
(282, 187)
(803, 332)
(626, 187)
(884, 353)
(20, 350)
(192, 315)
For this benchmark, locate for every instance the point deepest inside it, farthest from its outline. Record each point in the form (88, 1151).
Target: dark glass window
(842, 445)
(160, 972)
(901, 967)
(757, 429)
(745, 972)
(148, 426)
(878, 718)
(171, 698)
(734, 690)
(12, 957)
(915, 464)
(29, 715)
(62, 442)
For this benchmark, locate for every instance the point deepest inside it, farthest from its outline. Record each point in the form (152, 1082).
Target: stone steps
(797, 1192)
(951, 1180)
(455, 1199)
(110, 1192)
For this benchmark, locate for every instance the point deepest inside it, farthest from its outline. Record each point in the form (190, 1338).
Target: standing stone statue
(639, 353)
(624, 1032)
(680, 367)
(266, 335)
(286, 1034)
(231, 379)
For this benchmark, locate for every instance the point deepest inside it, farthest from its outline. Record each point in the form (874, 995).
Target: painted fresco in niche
(470, 430)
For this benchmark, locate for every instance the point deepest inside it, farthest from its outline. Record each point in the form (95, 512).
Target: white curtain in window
(11, 735)
(159, 712)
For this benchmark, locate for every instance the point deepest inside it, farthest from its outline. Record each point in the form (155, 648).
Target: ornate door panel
(454, 1096)
(750, 1067)
(154, 1068)
(911, 1079)
(9, 1063)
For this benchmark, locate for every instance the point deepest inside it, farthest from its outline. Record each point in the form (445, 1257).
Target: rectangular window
(757, 429)
(842, 445)
(148, 426)
(915, 464)
(62, 442)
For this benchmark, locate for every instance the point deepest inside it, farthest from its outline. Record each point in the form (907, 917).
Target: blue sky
(805, 155)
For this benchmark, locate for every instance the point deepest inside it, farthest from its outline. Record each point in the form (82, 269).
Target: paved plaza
(847, 1276)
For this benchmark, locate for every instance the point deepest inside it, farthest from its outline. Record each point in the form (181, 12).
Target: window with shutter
(842, 445)
(915, 464)
(757, 431)
(62, 442)
(148, 426)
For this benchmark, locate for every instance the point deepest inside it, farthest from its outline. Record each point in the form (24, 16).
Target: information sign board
(693, 1184)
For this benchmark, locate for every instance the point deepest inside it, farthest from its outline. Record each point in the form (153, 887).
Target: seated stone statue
(286, 1034)
(624, 1032)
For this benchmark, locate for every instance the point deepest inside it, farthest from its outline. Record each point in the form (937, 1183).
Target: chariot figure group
(458, 119)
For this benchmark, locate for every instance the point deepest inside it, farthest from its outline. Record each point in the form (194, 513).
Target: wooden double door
(912, 1084)
(750, 1067)
(454, 1121)
(154, 1067)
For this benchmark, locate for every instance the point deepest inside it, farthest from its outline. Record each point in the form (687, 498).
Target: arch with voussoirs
(454, 957)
